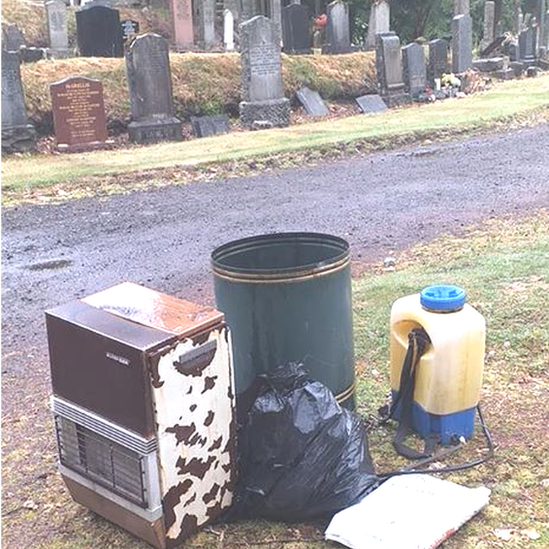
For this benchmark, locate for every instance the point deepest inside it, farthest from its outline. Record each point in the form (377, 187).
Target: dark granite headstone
(12, 38)
(369, 104)
(527, 45)
(338, 36)
(263, 103)
(438, 59)
(129, 29)
(296, 34)
(206, 126)
(312, 102)
(98, 32)
(150, 85)
(17, 134)
(78, 113)
(389, 70)
(462, 43)
(415, 68)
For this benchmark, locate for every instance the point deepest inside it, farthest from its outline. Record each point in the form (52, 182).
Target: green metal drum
(287, 297)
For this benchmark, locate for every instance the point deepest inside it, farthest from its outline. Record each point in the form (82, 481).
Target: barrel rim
(335, 262)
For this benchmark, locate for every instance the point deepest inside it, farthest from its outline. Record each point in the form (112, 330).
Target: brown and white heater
(143, 404)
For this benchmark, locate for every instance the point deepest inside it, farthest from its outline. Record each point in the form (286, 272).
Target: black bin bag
(302, 455)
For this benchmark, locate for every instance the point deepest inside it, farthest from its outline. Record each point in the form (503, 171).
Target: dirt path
(51, 254)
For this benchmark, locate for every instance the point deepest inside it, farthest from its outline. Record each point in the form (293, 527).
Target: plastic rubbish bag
(302, 455)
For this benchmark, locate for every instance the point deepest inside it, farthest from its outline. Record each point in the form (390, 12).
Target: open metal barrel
(287, 298)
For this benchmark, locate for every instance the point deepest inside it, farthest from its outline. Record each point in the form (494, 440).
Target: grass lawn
(504, 266)
(506, 102)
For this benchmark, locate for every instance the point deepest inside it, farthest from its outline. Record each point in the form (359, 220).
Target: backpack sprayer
(437, 344)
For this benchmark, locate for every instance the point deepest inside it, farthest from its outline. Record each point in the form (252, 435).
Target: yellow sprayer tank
(449, 375)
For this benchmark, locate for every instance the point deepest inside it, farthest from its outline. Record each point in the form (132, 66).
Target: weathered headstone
(228, 30)
(312, 102)
(150, 85)
(98, 32)
(12, 38)
(56, 12)
(415, 68)
(275, 14)
(379, 22)
(130, 29)
(527, 45)
(205, 12)
(206, 126)
(296, 34)
(338, 38)
(489, 24)
(462, 43)
(263, 102)
(461, 7)
(370, 104)
(389, 70)
(17, 134)
(182, 23)
(78, 114)
(438, 59)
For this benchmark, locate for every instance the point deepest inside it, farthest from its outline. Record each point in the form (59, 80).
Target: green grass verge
(506, 101)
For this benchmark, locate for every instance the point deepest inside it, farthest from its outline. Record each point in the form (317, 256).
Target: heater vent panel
(101, 460)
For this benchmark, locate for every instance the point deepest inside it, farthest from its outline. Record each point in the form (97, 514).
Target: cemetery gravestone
(78, 114)
(312, 102)
(415, 69)
(462, 43)
(130, 29)
(379, 22)
(98, 32)
(338, 38)
(205, 13)
(228, 30)
(17, 134)
(489, 24)
(527, 45)
(370, 104)
(389, 70)
(182, 23)
(263, 102)
(56, 11)
(12, 38)
(438, 59)
(150, 85)
(206, 126)
(296, 35)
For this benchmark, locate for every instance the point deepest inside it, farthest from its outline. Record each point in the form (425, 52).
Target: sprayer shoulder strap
(418, 340)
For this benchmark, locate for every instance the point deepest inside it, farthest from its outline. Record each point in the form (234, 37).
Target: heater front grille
(103, 461)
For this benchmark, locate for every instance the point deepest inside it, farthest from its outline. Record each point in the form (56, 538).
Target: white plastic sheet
(407, 512)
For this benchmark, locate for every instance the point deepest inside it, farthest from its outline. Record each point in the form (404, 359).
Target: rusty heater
(143, 403)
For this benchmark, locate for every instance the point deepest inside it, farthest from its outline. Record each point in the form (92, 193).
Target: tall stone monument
(338, 37)
(389, 70)
(296, 34)
(98, 32)
(228, 30)
(489, 29)
(379, 22)
(462, 43)
(56, 13)
(263, 102)
(205, 12)
(182, 23)
(18, 135)
(150, 85)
